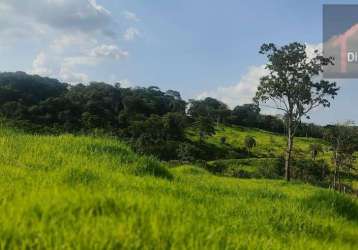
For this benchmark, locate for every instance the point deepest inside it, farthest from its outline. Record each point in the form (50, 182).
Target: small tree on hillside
(205, 127)
(250, 142)
(291, 87)
(315, 149)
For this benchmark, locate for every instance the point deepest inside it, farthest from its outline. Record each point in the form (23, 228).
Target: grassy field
(69, 192)
(269, 148)
(268, 144)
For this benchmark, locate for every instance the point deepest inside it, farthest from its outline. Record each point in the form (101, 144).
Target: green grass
(268, 144)
(77, 192)
(269, 148)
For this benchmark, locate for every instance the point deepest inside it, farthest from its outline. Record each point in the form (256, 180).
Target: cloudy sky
(201, 48)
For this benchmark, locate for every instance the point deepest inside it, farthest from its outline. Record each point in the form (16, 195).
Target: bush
(249, 142)
(187, 152)
(271, 168)
(310, 171)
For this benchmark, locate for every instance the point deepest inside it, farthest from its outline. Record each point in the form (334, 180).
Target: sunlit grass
(83, 192)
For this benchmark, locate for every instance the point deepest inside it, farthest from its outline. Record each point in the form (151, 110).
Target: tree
(315, 149)
(343, 140)
(291, 87)
(210, 108)
(205, 127)
(246, 115)
(174, 125)
(250, 142)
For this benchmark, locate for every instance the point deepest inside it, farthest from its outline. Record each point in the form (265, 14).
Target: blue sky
(201, 48)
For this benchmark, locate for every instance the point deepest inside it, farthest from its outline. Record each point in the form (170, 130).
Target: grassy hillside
(95, 193)
(269, 144)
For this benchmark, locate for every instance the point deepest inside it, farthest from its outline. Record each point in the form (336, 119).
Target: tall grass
(69, 192)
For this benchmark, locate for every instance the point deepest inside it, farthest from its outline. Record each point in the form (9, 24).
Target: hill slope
(269, 144)
(95, 193)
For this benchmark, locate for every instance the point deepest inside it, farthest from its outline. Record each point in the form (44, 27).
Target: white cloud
(78, 40)
(40, 65)
(109, 51)
(125, 83)
(241, 92)
(71, 33)
(64, 15)
(130, 16)
(131, 33)
(68, 75)
(66, 68)
(98, 7)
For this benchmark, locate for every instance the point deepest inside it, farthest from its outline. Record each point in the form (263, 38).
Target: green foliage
(188, 152)
(311, 171)
(246, 115)
(223, 140)
(249, 142)
(343, 140)
(291, 82)
(291, 86)
(315, 149)
(205, 127)
(209, 108)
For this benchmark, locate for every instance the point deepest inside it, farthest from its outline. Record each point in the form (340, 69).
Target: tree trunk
(335, 170)
(288, 152)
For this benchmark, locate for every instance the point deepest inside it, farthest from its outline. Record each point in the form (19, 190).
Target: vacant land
(95, 193)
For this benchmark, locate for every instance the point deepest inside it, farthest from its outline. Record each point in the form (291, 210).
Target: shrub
(270, 168)
(249, 142)
(188, 152)
(310, 171)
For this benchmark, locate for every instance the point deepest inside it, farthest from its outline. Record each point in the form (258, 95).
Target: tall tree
(291, 86)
